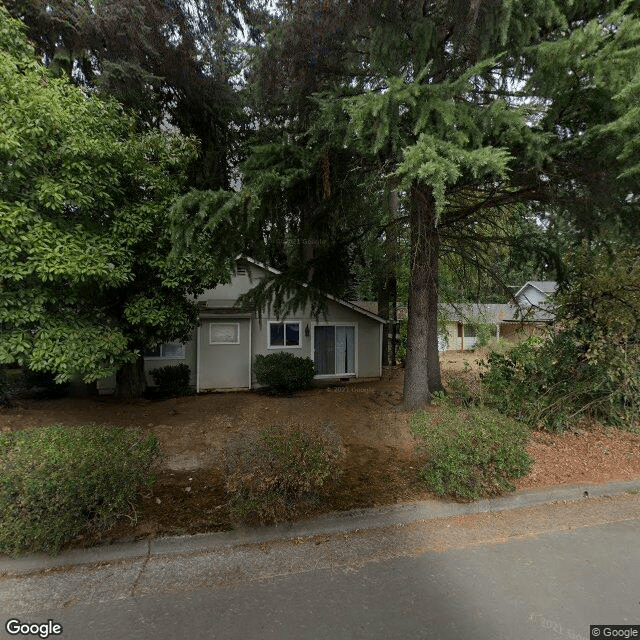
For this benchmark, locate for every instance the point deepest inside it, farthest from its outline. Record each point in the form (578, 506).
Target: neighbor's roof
(344, 303)
(493, 313)
(544, 286)
(368, 305)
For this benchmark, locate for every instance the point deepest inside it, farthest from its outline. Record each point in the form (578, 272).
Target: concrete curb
(330, 524)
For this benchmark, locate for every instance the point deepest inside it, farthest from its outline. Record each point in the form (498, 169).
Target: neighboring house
(536, 293)
(345, 343)
(532, 308)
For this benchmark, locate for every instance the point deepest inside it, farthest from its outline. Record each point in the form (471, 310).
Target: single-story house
(345, 343)
(532, 308)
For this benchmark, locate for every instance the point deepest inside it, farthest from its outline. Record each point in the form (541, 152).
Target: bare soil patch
(382, 462)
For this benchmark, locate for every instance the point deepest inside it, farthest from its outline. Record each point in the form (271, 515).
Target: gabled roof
(344, 303)
(543, 286)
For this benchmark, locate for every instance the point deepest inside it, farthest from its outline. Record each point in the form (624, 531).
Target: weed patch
(269, 475)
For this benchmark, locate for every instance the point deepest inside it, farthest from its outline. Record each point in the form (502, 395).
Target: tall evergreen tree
(479, 110)
(473, 98)
(171, 63)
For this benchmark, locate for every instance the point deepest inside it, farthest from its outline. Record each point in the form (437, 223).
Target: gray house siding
(368, 337)
(226, 362)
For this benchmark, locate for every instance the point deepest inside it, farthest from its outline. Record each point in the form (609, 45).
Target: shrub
(45, 384)
(58, 482)
(172, 380)
(589, 366)
(473, 453)
(268, 476)
(5, 389)
(283, 372)
(554, 382)
(484, 334)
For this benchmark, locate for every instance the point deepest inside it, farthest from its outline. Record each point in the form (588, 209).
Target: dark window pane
(152, 353)
(324, 348)
(173, 350)
(293, 334)
(277, 334)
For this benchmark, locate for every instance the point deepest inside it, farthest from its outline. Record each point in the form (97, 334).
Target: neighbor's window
(168, 351)
(224, 333)
(284, 334)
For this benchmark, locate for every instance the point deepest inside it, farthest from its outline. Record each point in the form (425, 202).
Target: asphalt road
(538, 573)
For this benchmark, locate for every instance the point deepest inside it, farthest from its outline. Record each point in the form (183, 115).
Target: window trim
(285, 346)
(163, 357)
(237, 325)
(333, 376)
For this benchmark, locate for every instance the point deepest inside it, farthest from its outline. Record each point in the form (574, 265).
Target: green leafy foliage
(590, 365)
(86, 278)
(472, 453)
(282, 372)
(269, 475)
(59, 482)
(485, 333)
(172, 380)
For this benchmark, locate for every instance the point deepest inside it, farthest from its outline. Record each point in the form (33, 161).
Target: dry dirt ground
(189, 494)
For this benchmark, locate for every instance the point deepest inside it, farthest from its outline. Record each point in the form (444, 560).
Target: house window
(334, 350)
(469, 331)
(284, 334)
(167, 351)
(224, 333)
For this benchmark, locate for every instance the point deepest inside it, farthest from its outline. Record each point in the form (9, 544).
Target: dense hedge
(57, 482)
(283, 372)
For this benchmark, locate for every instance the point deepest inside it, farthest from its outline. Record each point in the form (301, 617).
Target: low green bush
(58, 482)
(282, 372)
(485, 333)
(45, 384)
(269, 475)
(5, 389)
(555, 382)
(172, 380)
(472, 453)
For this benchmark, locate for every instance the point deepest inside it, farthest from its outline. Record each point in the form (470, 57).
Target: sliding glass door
(334, 350)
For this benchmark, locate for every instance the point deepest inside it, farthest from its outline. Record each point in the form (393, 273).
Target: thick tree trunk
(130, 380)
(392, 257)
(422, 369)
(383, 312)
(394, 320)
